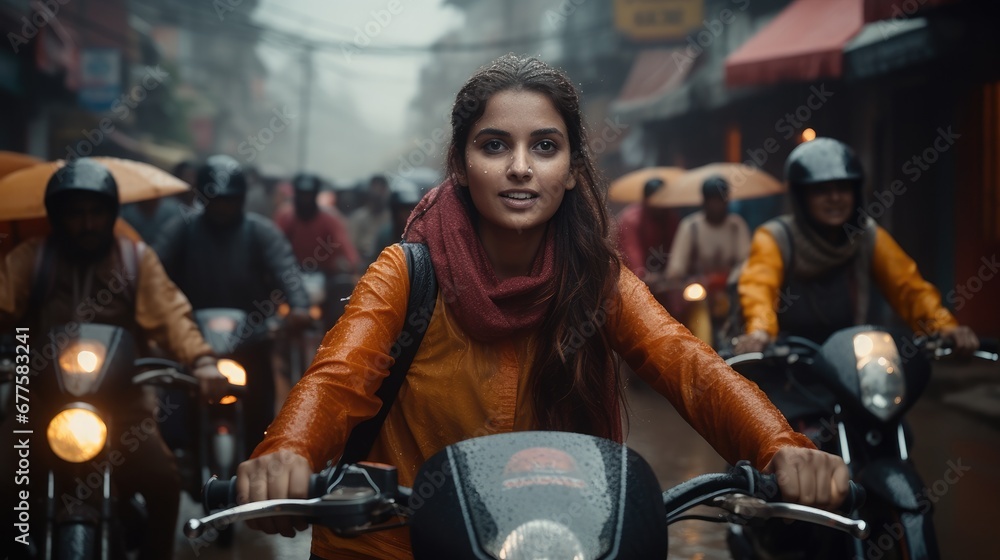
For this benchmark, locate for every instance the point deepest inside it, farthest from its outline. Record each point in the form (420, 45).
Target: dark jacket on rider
(249, 266)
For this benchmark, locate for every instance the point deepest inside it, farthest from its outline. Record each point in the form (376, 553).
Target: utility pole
(308, 76)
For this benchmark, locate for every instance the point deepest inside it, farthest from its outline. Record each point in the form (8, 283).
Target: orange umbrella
(12, 232)
(13, 161)
(23, 192)
(628, 187)
(745, 182)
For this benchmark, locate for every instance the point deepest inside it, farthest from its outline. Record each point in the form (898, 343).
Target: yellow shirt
(913, 298)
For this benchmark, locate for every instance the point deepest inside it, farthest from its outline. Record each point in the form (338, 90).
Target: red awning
(891, 9)
(803, 43)
(654, 73)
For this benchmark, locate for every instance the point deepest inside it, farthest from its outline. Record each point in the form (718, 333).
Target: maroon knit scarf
(486, 308)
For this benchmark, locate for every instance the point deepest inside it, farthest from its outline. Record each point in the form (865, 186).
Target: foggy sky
(360, 104)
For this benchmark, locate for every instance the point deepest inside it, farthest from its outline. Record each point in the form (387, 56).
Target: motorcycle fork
(53, 509)
(215, 417)
(896, 533)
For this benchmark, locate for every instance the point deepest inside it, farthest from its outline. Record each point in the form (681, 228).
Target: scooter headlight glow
(695, 292)
(235, 373)
(883, 387)
(81, 364)
(77, 434)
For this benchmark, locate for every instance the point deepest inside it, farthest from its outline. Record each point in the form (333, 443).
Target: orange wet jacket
(458, 388)
(913, 298)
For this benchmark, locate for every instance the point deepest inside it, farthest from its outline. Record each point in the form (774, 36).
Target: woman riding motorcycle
(809, 273)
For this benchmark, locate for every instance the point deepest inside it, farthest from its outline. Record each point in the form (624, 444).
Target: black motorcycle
(72, 505)
(524, 495)
(850, 396)
(209, 439)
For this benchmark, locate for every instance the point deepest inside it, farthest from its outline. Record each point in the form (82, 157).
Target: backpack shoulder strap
(423, 297)
(782, 234)
(131, 254)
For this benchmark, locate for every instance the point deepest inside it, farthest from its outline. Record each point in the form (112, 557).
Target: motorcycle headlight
(77, 434)
(236, 375)
(883, 387)
(541, 538)
(221, 324)
(81, 364)
(694, 292)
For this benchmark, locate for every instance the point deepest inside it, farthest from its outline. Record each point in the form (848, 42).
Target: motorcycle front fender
(76, 540)
(896, 483)
(896, 496)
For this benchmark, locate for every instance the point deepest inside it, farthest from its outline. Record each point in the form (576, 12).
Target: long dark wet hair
(574, 381)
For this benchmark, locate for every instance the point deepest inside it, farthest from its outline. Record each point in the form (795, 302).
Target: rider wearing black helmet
(226, 257)
(75, 275)
(822, 258)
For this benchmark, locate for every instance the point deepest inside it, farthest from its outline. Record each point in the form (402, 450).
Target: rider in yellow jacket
(809, 272)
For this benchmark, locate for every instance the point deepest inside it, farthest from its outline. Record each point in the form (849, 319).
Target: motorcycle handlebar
(743, 479)
(169, 376)
(221, 494)
(747, 493)
(349, 506)
(989, 350)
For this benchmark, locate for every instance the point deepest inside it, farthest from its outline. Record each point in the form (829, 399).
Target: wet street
(956, 426)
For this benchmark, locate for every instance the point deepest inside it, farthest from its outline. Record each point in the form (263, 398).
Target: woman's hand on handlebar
(810, 477)
(754, 341)
(275, 476)
(963, 340)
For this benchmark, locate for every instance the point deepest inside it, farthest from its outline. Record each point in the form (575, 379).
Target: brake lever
(988, 356)
(195, 528)
(331, 505)
(746, 507)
